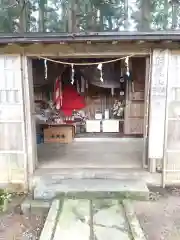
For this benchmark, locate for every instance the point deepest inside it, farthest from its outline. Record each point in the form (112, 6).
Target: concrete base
(91, 188)
(111, 153)
(30, 205)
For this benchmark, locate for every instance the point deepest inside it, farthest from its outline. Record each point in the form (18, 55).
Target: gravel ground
(16, 226)
(160, 217)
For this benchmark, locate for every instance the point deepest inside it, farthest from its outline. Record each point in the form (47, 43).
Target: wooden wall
(134, 111)
(138, 73)
(98, 104)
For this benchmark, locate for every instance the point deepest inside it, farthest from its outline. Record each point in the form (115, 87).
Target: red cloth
(71, 100)
(58, 94)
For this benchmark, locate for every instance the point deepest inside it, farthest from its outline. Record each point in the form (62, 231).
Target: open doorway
(97, 118)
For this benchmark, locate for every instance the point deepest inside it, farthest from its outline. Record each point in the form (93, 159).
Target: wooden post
(158, 98)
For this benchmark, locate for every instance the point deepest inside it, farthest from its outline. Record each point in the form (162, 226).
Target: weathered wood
(12, 128)
(77, 49)
(160, 64)
(83, 50)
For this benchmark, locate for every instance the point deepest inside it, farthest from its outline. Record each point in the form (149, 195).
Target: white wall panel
(172, 143)
(12, 121)
(158, 97)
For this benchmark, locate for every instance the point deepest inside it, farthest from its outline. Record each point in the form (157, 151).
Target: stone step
(44, 174)
(48, 189)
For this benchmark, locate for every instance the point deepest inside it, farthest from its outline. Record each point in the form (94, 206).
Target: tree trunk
(174, 14)
(65, 17)
(110, 24)
(77, 15)
(126, 15)
(101, 22)
(90, 20)
(41, 15)
(145, 15)
(70, 15)
(166, 8)
(22, 21)
(94, 18)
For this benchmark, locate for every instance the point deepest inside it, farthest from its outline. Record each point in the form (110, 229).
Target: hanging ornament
(78, 87)
(72, 74)
(132, 87)
(121, 79)
(82, 85)
(99, 67)
(127, 66)
(87, 84)
(45, 68)
(112, 92)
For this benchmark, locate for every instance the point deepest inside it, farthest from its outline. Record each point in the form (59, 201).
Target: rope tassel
(101, 72)
(45, 68)
(127, 65)
(72, 74)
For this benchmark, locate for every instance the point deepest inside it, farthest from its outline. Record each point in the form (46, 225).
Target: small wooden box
(59, 134)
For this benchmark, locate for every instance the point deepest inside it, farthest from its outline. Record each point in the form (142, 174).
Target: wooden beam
(140, 42)
(85, 50)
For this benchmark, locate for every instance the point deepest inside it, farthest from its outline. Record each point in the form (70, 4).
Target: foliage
(88, 15)
(4, 198)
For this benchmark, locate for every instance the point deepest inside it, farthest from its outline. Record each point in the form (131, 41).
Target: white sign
(158, 103)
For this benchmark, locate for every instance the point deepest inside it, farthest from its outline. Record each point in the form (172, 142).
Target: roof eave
(93, 36)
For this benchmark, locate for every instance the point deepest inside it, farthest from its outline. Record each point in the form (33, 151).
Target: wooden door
(13, 157)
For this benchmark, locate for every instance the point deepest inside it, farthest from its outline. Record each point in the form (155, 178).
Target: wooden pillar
(158, 101)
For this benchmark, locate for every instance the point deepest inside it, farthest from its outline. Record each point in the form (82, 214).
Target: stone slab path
(83, 219)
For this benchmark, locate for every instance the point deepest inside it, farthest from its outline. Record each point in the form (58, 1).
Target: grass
(5, 197)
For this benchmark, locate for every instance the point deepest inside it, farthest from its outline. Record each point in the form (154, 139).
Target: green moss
(103, 195)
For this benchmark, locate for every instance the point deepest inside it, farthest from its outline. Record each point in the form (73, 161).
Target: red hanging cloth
(72, 100)
(58, 93)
